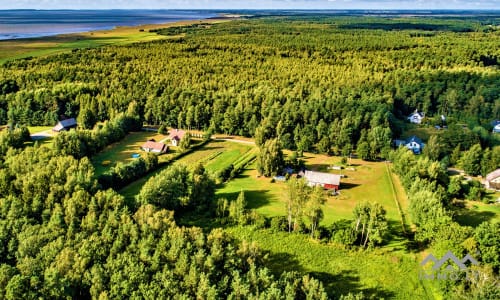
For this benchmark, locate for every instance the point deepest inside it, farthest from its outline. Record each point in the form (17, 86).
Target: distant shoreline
(28, 24)
(66, 42)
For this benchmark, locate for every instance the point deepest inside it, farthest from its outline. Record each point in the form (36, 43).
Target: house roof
(65, 124)
(415, 139)
(416, 113)
(153, 145)
(493, 175)
(320, 177)
(176, 134)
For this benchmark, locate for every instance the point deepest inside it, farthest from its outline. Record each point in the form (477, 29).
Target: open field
(14, 49)
(369, 181)
(378, 274)
(123, 150)
(474, 213)
(214, 156)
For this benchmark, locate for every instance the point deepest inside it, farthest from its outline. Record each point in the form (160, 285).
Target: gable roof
(493, 175)
(323, 178)
(176, 134)
(415, 139)
(154, 145)
(71, 122)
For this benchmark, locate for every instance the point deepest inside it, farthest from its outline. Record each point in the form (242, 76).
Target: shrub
(279, 223)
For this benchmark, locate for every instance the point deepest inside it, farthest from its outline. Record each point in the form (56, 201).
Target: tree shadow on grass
(347, 186)
(468, 217)
(282, 262)
(254, 198)
(334, 284)
(348, 282)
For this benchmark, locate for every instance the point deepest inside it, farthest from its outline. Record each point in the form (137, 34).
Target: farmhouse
(175, 135)
(326, 180)
(155, 147)
(65, 125)
(416, 117)
(493, 180)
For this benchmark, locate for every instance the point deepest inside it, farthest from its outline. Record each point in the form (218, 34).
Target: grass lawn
(474, 213)
(369, 181)
(123, 150)
(37, 129)
(378, 273)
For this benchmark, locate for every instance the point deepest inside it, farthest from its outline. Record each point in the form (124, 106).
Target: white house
(416, 117)
(415, 144)
(325, 180)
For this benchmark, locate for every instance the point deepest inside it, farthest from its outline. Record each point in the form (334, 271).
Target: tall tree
(270, 158)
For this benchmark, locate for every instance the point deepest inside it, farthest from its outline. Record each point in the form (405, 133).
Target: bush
(279, 223)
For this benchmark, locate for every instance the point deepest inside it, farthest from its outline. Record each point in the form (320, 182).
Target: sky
(250, 4)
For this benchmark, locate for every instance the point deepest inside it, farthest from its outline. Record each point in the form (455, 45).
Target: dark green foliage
(488, 237)
(13, 139)
(61, 238)
(270, 158)
(123, 174)
(315, 83)
(8, 86)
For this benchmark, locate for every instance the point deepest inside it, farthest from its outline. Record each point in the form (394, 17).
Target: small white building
(65, 125)
(416, 117)
(496, 129)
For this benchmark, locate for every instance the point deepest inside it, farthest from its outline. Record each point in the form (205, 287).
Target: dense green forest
(322, 84)
(317, 83)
